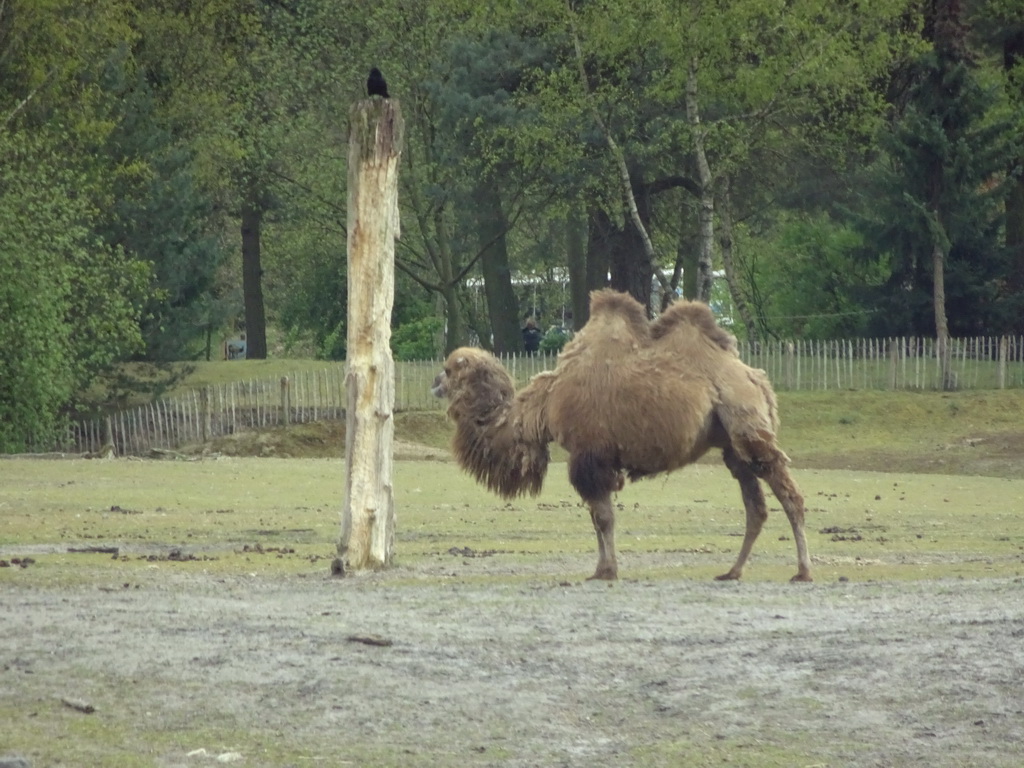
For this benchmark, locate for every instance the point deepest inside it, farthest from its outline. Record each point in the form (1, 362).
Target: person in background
(531, 336)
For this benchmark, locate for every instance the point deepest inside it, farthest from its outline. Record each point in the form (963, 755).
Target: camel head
(490, 442)
(473, 381)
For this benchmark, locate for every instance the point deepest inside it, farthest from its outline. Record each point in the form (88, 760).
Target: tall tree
(997, 28)
(690, 93)
(1013, 62)
(479, 109)
(503, 307)
(466, 186)
(636, 225)
(158, 214)
(69, 303)
(934, 197)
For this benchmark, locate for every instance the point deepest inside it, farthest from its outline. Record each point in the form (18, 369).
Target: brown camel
(628, 397)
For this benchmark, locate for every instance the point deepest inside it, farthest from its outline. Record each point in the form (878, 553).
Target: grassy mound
(971, 433)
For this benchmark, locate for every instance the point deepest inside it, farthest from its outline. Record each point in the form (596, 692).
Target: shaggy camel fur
(628, 397)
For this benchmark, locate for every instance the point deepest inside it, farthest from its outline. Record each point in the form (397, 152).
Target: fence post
(894, 357)
(285, 401)
(204, 415)
(790, 362)
(1003, 345)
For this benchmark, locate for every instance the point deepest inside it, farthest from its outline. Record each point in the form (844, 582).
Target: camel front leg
(602, 514)
(753, 502)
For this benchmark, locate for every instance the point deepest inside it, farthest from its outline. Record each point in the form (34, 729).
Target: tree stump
(368, 519)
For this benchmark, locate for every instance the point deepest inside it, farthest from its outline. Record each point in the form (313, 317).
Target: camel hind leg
(749, 420)
(773, 470)
(781, 482)
(753, 502)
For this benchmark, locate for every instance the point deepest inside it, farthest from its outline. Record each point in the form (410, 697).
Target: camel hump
(694, 314)
(616, 320)
(611, 302)
(608, 299)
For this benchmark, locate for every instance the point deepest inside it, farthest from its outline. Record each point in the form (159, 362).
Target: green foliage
(159, 215)
(937, 182)
(69, 304)
(312, 293)
(133, 132)
(417, 339)
(553, 341)
(806, 280)
(332, 345)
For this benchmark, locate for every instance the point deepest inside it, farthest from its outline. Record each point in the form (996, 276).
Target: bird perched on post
(376, 85)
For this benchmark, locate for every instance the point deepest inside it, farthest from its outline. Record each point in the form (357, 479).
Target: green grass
(973, 433)
(946, 506)
(127, 738)
(978, 432)
(283, 516)
(708, 751)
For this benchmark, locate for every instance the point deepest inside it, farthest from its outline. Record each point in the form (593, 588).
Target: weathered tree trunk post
(368, 518)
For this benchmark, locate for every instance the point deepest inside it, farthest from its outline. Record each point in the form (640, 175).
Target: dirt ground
(453, 664)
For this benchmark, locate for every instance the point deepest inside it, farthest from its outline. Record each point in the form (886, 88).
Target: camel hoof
(604, 576)
(730, 576)
(806, 577)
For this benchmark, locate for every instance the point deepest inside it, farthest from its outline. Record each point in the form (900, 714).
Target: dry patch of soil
(470, 668)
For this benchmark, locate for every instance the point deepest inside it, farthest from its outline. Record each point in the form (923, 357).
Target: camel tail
(594, 475)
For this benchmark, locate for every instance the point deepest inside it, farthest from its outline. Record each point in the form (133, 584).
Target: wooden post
(790, 355)
(285, 402)
(1003, 346)
(204, 414)
(368, 519)
(894, 358)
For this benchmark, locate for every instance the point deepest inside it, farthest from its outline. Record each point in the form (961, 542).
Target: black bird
(376, 85)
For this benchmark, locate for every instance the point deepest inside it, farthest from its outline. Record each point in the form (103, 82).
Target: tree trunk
(942, 351)
(368, 518)
(941, 324)
(687, 251)
(706, 213)
(598, 261)
(502, 305)
(726, 241)
(576, 259)
(632, 212)
(455, 328)
(629, 273)
(1013, 52)
(612, 251)
(252, 278)
(455, 334)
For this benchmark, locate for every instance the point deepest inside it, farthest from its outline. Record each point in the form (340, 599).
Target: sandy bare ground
(420, 667)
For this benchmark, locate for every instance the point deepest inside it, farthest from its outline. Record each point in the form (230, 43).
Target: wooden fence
(215, 411)
(983, 362)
